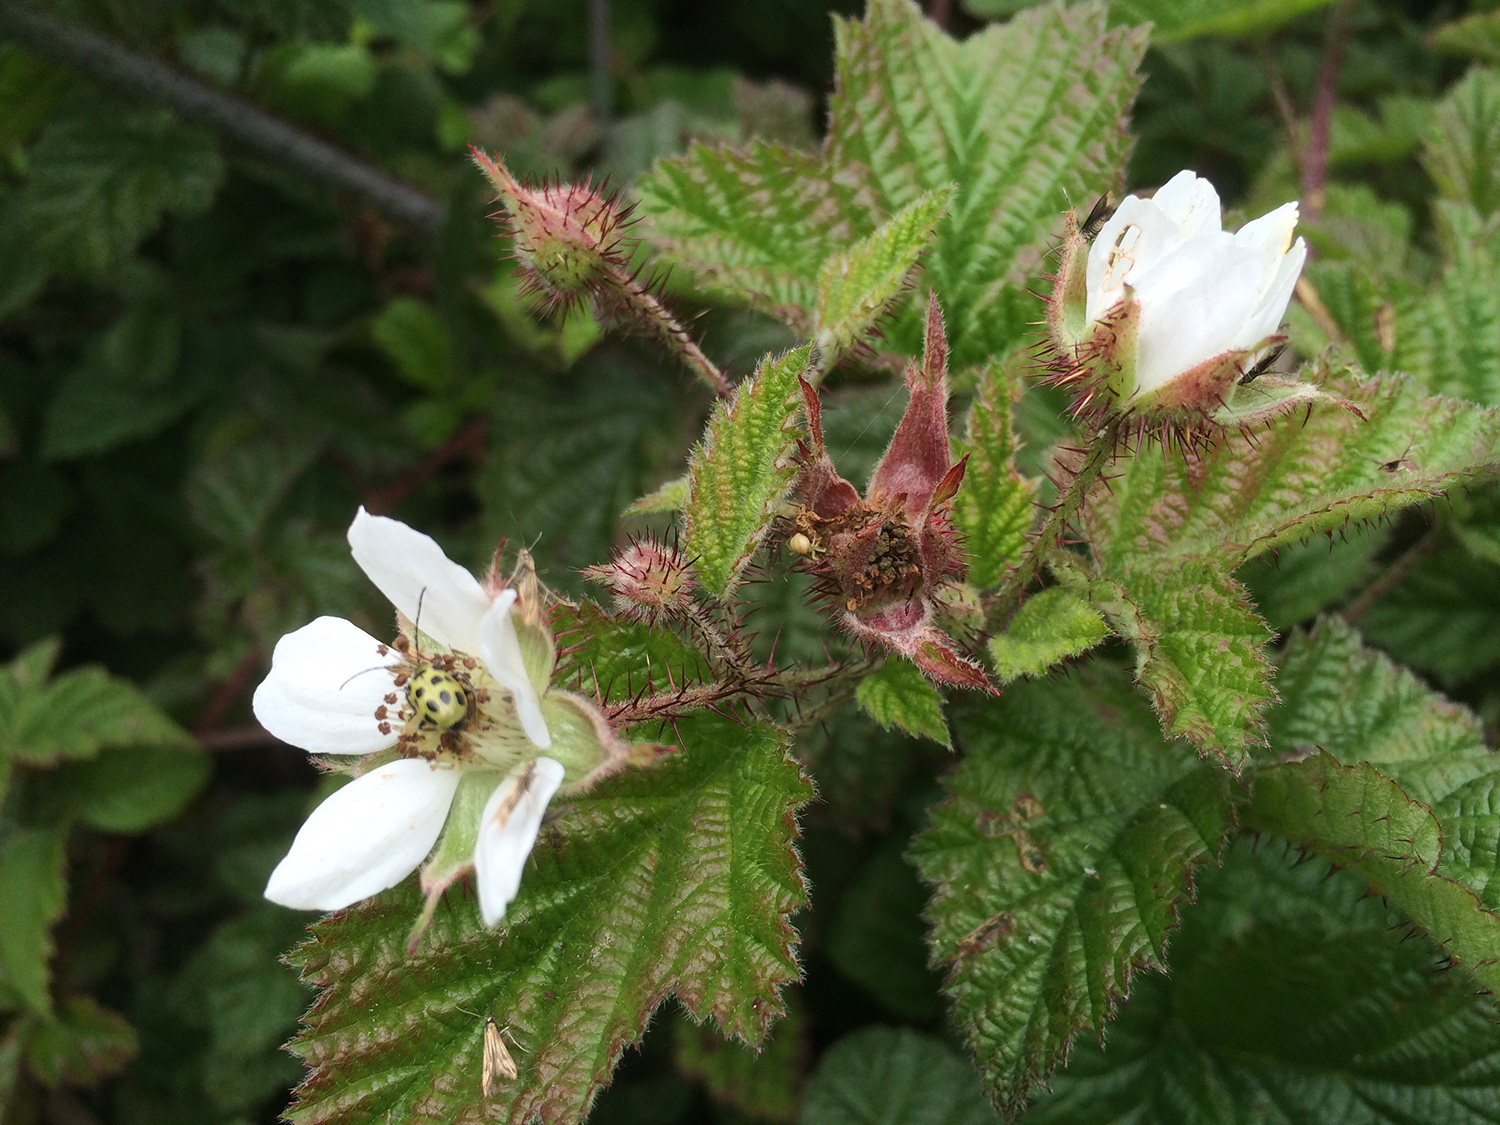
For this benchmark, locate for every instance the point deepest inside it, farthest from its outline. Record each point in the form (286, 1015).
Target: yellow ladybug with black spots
(439, 698)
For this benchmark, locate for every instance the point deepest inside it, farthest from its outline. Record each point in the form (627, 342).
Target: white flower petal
(1271, 310)
(507, 831)
(1197, 322)
(411, 569)
(326, 681)
(366, 837)
(1190, 202)
(501, 651)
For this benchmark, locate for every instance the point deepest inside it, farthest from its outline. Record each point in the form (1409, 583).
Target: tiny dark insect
(1262, 365)
(1098, 215)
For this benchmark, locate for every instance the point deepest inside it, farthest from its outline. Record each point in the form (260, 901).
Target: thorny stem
(1048, 539)
(654, 315)
(138, 75)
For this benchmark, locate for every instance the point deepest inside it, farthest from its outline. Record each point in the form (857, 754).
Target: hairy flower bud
(648, 580)
(1165, 316)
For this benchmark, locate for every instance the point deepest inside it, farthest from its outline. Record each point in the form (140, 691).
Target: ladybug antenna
(357, 675)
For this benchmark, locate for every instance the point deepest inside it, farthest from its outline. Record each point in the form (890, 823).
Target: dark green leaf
(886, 1076)
(32, 873)
(131, 788)
(1294, 997)
(1059, 861)
(86, 1043)
(764, 1083)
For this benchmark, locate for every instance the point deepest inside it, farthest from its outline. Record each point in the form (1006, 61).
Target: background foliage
(217, 341)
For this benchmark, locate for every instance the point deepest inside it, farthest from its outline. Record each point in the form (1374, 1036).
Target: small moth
(1262, 365)
(497, 1061)
(1100, 214)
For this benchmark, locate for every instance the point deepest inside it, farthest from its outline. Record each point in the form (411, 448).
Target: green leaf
(891, 1076)
(670, 497)
(1451, 339)
(761, 1083)
(897, 694)
(1023, 116)
(74, 715)
(993, 509)
(1050, 627)
(415, 339)
(1463, 143)
(1249, 493)
(677, 880)
(1300, 580)
(1356, 705)
(1475, 36)
(1058, 862)
(85, 1044)
(741, 470)
(1443, 618)
(753, 226)
(131, 788)
(1200, 650)
(33, 865)
(101, 181)
(1364, 822)
(96, 409)
(1176, 20)
(1294, 997)
(857, 285)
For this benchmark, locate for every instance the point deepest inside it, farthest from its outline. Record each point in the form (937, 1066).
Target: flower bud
(648, 580)
(1165, 316)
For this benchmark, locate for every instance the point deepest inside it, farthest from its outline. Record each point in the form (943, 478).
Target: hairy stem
(1394, 573)
(142, 76)
(647, 310)
(1048, 541)
(1315, 159)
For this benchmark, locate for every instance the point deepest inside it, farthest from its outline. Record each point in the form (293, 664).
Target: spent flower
(464, 740)
(1166, 317)
(887, 560)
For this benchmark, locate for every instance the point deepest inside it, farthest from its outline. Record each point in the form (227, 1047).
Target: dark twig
(230, 690)
(1395, 573)
(601, 70)
(145, 77)
(1315, 159)
(469, 439)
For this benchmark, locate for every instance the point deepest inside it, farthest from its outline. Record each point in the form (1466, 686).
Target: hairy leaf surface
(993, 509)
(1249, 493)
(740, 471)
(1025, 116)
(672, 881)
(1058, 862)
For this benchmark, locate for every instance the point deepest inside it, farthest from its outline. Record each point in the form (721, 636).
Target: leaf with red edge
(677, 880)
(1058, 861)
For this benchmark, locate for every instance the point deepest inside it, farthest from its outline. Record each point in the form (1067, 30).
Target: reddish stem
(1315, 160)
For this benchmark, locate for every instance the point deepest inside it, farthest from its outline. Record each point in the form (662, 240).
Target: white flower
(334, 689)
(1202, 292)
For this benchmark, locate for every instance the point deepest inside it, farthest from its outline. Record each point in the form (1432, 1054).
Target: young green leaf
(33, 873)
(85, 1044)
(741, 470)
(1058, 862)
(1023, 115)
(897, 694)
(1291, 987)
(1052, 626)
(994, 507)
(1463, 143)
(414, 338)
(1200, 650)
(1250, 493)
(670, 497)
(858, 284)
(894, 1076)
(677, 881)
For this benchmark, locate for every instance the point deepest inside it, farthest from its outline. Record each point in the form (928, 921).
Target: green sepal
(582, 740)
(1067, 311)
(1050, 627)
(453, 857)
